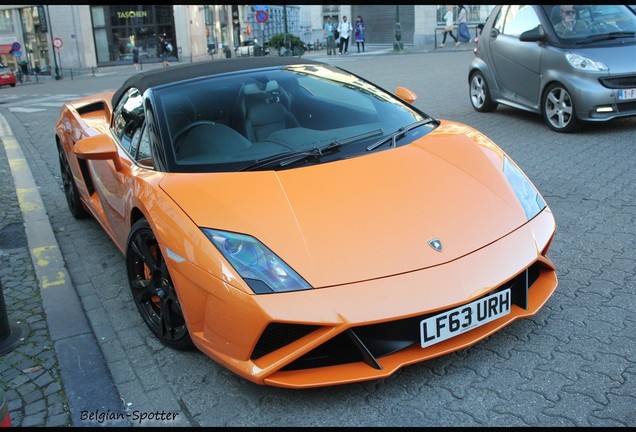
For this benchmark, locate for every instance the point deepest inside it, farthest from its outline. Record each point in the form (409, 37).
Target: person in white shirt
(448, 26)
(344, 28)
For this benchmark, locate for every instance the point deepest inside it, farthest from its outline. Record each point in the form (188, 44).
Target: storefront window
(6, 25)
(119, 28)
(36, 48)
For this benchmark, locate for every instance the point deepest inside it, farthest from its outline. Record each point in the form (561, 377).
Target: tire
(480, 93)
(152, 289)
(557, 108)
(70, 188)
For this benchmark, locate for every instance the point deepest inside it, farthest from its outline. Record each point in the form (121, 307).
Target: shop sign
(43, 23)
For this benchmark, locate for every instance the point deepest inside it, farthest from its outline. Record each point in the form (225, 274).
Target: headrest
(255, 88)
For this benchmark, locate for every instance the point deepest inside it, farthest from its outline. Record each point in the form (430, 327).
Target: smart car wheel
(480, 94)
(70, 188)
(152, 289)
(558, 109)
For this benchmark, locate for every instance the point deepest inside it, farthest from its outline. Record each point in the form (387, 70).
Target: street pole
(286, 39)
(397, 46)
(57, 69)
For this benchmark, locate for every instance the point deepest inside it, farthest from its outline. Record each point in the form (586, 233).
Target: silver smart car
(570, 63)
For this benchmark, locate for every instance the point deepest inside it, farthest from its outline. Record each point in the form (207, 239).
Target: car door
(516, 64)
(113, 182)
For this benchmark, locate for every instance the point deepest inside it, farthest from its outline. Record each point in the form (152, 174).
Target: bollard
(10, 335)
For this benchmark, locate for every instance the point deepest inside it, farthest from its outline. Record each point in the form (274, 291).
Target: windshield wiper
(288, 158)
(612, 35)
(399, 134)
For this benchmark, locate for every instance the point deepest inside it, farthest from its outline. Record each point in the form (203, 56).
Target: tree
(294, 44)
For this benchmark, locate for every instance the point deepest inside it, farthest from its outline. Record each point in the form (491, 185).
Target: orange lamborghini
(300, 225)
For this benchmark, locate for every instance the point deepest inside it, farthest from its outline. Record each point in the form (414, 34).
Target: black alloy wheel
(70, 188)
(152, 289)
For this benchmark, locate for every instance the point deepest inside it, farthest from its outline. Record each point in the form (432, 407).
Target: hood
(366, 217)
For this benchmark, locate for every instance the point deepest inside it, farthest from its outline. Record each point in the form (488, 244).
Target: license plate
(450, 323)
(627, 94)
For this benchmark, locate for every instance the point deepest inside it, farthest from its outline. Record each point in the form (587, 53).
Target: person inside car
(569, 25)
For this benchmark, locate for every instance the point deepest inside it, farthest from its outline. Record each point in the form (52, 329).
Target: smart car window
(519, 19)
(499, 20)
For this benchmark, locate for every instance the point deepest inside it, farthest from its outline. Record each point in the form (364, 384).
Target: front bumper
(362, 331)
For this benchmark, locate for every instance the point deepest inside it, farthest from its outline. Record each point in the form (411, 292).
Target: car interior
(266, 114)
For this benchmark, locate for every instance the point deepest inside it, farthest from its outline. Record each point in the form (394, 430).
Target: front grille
(369, 342)
(624, 107)
(619, 82)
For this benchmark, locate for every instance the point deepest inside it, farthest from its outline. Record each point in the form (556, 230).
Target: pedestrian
(344, 29)
(448, 26)
(165, 48)
(24, 67)
(359, 35)
(329, 35)
(135, 55)
(463, 34)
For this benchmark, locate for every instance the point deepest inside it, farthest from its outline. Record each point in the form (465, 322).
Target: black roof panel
(179, 72)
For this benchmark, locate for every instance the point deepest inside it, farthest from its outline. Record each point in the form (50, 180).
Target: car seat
(265, 110)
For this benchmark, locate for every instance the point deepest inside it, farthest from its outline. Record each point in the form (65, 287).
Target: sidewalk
(54, 374)
(55, 370)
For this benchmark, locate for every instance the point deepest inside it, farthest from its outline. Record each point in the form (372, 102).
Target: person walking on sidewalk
(344, 29)
(135, 56)
(448, 26)
(359, 34)
(329, 35)
(165, 48)
(463, 34)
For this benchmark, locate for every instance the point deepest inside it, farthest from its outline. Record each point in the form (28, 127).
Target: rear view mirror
(534, 35)
(405, 94)
(97, 147)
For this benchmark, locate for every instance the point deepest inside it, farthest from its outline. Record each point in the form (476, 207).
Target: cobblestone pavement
(573, 364)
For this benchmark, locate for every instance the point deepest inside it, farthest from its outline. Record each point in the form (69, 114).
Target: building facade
(52, 37)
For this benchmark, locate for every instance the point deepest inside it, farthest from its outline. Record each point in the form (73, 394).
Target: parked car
(7, 77)
(287, 218)
(251, 48)
(589, 75)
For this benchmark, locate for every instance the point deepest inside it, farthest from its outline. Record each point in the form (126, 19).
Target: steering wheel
(188, 128)
(597, 27)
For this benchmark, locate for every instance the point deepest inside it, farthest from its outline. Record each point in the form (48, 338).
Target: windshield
(225, 123)
(583, 24)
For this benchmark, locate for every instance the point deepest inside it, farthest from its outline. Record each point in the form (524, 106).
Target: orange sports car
(300, 225)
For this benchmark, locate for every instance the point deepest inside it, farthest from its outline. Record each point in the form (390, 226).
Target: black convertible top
(155, 77)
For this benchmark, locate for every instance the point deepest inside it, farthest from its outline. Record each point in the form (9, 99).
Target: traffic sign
(57, 43)
(15, 46)
(261, 16)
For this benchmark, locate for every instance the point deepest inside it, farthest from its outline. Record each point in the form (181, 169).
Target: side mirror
(405, 94)
(97, 147)
(535, 35)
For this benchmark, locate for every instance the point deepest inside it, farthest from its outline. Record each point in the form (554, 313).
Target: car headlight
(259, 267)
(583, 63)
(530, 199)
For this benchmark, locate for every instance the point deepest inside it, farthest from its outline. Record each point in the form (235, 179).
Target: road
(573, 364)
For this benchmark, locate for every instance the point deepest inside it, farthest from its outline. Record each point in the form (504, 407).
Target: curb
(87, 380)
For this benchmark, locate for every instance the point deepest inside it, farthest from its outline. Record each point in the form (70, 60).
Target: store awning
(5, 49)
